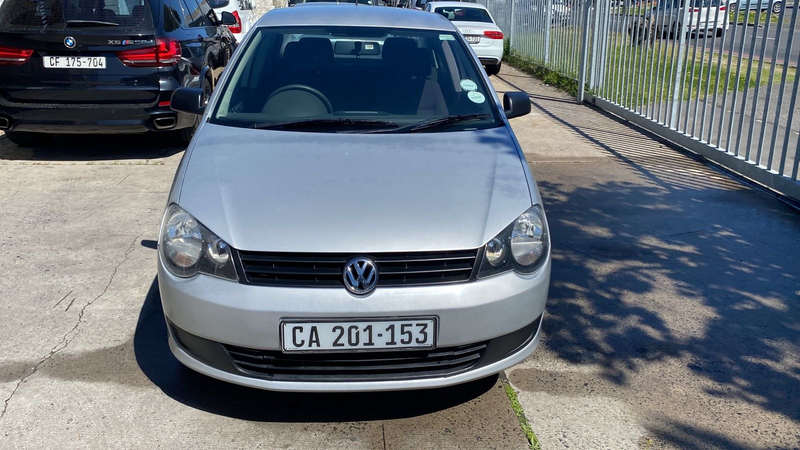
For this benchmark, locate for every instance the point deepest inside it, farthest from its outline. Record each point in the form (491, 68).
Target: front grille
(325, 270)
(372, 366)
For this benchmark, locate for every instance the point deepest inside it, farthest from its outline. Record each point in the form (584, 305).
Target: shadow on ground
(673, 260)
(66, 148)
(199, 391)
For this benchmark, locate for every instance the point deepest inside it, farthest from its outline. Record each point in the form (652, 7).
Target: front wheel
(184, 136)
(25, 139)
(493, 69)
(777, 7)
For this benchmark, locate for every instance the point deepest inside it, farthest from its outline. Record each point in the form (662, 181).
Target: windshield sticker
(476, 97)
(469, 85)
(447, 37)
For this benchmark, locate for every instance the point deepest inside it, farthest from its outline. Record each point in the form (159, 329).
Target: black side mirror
(228, 19)
(516, 104)
(188, 100)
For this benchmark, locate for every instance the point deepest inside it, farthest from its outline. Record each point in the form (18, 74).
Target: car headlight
(188, 248)
(522, 246)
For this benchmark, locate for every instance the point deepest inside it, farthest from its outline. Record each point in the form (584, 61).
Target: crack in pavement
(70, 335)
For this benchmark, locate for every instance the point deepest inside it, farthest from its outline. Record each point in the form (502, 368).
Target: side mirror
(515, 104)
(188, 100)
(228, 19)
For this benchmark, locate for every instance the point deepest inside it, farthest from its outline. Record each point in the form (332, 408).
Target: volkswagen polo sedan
(354, 212)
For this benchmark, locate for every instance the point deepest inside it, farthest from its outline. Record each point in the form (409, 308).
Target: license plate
(473, 39)
(74, 62)
(342, 336)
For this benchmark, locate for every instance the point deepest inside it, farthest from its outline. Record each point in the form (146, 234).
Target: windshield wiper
(90, 23)
(322, 123)
(435, 123)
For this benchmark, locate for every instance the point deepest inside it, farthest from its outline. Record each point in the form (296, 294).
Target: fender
(205, 73)
(197, 81)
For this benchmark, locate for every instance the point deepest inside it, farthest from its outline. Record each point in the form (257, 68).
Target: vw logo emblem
(360, 276)
(69, 42)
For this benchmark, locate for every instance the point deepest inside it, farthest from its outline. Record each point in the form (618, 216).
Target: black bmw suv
(105, 66)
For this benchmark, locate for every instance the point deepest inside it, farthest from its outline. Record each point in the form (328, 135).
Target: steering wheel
(307, 89)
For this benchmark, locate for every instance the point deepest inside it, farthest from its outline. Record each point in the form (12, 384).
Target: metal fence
(717, 79)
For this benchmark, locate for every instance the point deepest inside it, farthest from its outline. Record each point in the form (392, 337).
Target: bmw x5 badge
(69, 42)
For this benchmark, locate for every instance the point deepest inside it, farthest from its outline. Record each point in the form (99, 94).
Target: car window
(461, 14)
(381, 74)
(219, 3)
(209, 16)
(62, 14)
(195, 15)
(173, 15)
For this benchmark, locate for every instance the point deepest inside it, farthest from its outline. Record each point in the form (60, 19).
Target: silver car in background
(354, 212)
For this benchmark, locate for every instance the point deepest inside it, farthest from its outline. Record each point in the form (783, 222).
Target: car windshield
(26, 15)
(356, 79)
(462, 14)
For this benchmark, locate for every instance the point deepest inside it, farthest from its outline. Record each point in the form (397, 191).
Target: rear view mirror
(516, 104)
(188, 100)
(228, 18)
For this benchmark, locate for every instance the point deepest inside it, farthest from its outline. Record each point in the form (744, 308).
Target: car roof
(437, 4)
(324, 14)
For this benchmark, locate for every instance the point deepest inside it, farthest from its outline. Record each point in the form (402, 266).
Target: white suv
(242, 10)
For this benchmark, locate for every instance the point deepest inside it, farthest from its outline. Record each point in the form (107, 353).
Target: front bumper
(213, 359)
(223, 313)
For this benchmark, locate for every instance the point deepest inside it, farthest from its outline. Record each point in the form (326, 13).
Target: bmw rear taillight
(10, 56)
(493, 34)
(238, 27)
(166, 53)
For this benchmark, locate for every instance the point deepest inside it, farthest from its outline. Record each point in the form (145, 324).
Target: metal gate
(718, 77)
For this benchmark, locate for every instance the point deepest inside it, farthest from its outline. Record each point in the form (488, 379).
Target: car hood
(283, 191)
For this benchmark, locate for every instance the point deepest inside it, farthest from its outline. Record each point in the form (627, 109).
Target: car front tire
(777, 7)
(25, 139)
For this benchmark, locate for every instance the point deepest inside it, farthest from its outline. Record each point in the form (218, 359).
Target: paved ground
(673, 319)
(674, 311)
(83, 354)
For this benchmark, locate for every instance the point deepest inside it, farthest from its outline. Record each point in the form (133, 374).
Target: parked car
(242, 11)
(97, 67)
(665, 19)
(359, 235)
(479, 29)
(535, 11)
(762, 5)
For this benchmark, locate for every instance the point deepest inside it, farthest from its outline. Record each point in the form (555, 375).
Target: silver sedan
(354, 212)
